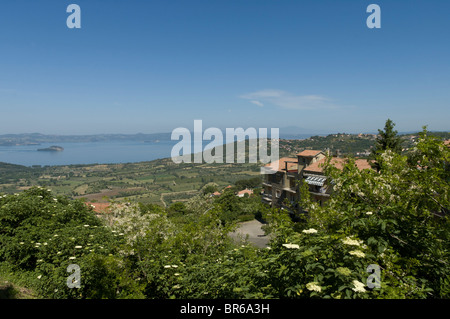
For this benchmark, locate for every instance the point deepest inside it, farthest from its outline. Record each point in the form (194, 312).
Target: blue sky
(152, 66)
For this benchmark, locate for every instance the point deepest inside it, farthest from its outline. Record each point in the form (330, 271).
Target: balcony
(292, 174)
(290, 189)
(319, 191)
(266, 198)
(319, 194)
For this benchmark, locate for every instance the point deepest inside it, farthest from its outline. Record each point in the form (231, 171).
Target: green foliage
(400, 213)
(44, 234)
(248, 183)
(177, 209)
(234, 208)
(209, 188)
(386, 140)
(229, 206)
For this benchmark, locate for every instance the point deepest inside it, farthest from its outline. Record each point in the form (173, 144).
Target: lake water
(87, 153)
(110, 152)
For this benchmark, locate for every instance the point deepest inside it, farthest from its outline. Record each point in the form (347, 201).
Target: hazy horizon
(281, 132)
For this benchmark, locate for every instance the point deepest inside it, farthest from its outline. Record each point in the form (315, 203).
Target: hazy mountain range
(289, 132)
(38, 138)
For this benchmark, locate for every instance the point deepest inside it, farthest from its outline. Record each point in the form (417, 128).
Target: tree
(209, 188)
(177, 209)
(229, 206)
(387, 140)
(248, 183)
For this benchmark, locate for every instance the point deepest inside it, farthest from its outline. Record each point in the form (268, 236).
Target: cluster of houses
(281, 183)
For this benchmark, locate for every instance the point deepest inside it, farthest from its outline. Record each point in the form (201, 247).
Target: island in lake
(52, 149)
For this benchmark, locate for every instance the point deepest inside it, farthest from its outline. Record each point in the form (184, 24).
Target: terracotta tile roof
(337, 162)
(245, 191)
(309, 153)
(447, 142)
(363, 164)
(316, 167)
(281, 164)
(99, 208)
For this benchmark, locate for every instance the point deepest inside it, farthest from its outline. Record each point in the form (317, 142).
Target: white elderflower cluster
(344, 271)
(352, 242)
(388, 156)
(171, 266)
(128, 221)
(357, 253)
(291, 246)
(309, 231)
(358, 286)
(313, 286)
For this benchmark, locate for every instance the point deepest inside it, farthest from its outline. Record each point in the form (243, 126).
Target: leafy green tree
(209, 188)
(229, 206)
(177, 209)
(248, 183)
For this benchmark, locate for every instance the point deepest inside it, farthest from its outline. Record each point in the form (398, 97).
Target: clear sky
(152, 66)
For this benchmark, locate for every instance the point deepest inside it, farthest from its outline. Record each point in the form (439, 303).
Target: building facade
(281, 189)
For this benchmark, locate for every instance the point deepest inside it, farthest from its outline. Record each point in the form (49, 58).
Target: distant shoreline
(143, 150)
(27, 139)
(37, 138)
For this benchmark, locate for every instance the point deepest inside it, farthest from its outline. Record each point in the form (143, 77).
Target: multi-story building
(283, 183)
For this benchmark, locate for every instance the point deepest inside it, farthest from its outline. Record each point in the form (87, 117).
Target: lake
(110, 152)
(87, 153)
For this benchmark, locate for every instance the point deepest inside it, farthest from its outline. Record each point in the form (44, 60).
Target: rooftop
(280, 165)
(245, 191)
(337, 162)
(309, 153)
(99, 208)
